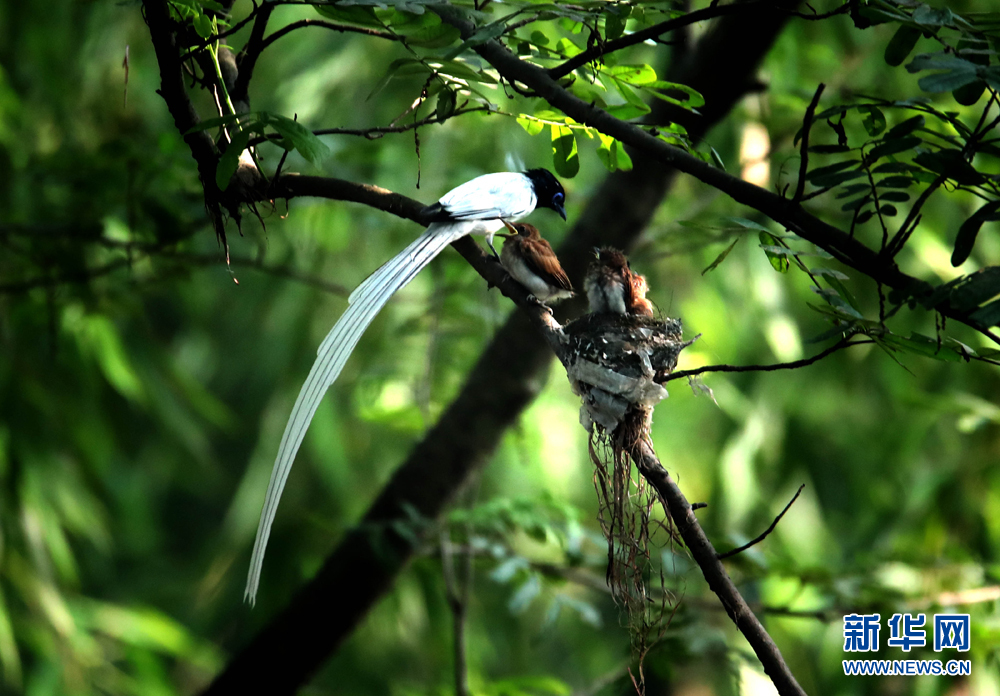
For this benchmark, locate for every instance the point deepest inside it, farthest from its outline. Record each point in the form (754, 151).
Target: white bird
(479, 206)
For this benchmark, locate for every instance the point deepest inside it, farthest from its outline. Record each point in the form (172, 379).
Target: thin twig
(333, 26)
(741, 549)
(711, 12)
(806, 127)
(844, 343)
(875, 201)
(458, 600)
(377, 131)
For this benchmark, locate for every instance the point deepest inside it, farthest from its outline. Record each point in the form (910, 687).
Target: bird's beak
(561, 210)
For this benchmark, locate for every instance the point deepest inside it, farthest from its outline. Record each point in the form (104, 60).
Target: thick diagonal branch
(715, 574)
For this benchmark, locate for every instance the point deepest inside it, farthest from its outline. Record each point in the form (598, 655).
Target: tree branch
(677, 506)
(288, 28)
(790, 215)
(843, 343)
(800, 185)
(711, 12)
(251, 52)
(761, 537)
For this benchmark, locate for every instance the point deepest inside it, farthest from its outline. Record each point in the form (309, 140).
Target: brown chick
(530, 261)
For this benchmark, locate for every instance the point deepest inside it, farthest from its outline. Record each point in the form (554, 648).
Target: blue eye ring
(558, 198)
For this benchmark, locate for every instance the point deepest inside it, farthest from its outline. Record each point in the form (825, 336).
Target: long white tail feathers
(364, 305)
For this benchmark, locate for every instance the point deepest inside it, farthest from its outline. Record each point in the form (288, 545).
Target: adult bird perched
(530, 261)
(612, 286)
(479, 206)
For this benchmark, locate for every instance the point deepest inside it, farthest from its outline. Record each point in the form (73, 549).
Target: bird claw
(534, 300)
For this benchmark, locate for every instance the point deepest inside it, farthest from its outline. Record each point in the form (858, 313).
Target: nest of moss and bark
(617, 365)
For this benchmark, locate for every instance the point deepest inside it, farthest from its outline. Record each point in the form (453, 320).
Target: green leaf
(967, 233)
(834, 174)
(626, 112)
(487, 33)
(435, 36)
(717, 158)
(539, 38)
(525, 594)
(951, 164)
(901, 44)
(894, 168)
(632, 74)
(351, 14)
(398, 68)
(857, 203)
(894, 197)
(769, 243)
(838, 178)
(922, 345)
(568, 48)
(462, 71)
(852, 190)
(747, 224)
(975, 289)
(874, 120)
(692, 99)
(842, 307)
(622, 159)
(721, 257)
(988, 314)
(969, 94)
(905, 128)
(231, 158)
(991, 75)
(834, 279)
(307, 144)
(939, 61)
(446, 103)
(614, 26)
(827, 273)
(530, 125)
(897, 182)
(947, 81)
(933, 17)
(888, 211)
(892, 147)
(203, 25)
(565, 157)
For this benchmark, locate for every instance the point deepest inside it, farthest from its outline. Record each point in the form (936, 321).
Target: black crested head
(548, 190)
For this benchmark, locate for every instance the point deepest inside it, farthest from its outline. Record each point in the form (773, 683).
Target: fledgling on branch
(530, 261)
(612, 286)
(478, 206)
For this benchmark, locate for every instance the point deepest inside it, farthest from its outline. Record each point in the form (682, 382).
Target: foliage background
(140, 409)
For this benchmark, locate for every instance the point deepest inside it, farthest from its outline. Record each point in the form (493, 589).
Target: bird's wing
(364, 305)
(507, 195)
(542, 261)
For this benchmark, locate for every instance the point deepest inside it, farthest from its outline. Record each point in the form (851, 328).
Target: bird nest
(617, 363)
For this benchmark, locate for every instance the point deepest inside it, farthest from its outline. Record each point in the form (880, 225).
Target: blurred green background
(143, 393)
